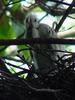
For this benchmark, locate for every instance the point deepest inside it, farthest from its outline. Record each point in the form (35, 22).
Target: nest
(58, 84)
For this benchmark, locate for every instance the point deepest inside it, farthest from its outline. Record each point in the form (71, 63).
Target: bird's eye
(49, 31)
(35, 20)
(27, 20)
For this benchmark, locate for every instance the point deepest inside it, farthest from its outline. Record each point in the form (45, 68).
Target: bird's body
(43, 58)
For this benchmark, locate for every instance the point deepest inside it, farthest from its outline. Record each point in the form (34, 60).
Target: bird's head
(31, 21)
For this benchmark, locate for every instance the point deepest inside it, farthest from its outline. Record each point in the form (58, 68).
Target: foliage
(58, 83)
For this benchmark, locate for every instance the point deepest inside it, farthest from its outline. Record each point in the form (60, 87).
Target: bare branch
(36, 41)
(66, 33)
(64, 16)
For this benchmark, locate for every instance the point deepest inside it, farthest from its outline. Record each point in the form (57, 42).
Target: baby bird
(43, 56)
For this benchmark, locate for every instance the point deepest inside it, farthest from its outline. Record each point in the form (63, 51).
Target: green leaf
(2, 51)
(37, 9)
(4, 27)
(15, 5)
(5, 1)
(25, 53)
(11, 33)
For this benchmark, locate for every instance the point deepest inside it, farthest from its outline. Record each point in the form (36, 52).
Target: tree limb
(66, 33)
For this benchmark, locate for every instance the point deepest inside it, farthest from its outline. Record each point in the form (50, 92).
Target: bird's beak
(30, 24)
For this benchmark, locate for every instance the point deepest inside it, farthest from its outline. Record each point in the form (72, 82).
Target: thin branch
(66, 33)
(60, 11)
(11, 59)
(64, 16)
(37, 41)
(14, 2)
(41, 90)
(64, 3)
(71, 17)
(26, 71)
